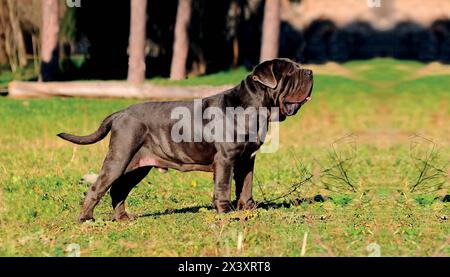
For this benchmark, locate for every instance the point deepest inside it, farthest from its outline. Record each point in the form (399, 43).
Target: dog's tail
(98, 135)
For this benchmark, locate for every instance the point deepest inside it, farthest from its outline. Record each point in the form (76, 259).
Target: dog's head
(288, 84)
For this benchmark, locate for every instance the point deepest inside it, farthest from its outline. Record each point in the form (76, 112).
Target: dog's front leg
(222, 185)
(243, 177)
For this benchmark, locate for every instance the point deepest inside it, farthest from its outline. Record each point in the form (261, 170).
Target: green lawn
(221, 78)
(379, 124)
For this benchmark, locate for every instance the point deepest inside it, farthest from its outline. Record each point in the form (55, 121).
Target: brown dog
(142, 137)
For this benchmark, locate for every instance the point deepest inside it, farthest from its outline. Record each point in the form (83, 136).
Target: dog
(142, 138)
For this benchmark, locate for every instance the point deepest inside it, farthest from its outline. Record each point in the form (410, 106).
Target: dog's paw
(223, 206)
(250, 204)
(124, 217)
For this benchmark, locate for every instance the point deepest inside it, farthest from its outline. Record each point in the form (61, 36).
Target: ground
(349, 172)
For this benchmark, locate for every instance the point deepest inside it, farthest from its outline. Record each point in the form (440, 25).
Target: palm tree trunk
(181, 41)
(271, 30)
(136, 62)
(49, 40)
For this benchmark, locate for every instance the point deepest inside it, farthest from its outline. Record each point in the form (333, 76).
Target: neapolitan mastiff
(142, 137)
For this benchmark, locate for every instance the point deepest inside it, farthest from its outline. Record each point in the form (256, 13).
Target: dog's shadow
(266, 205)
(193, 209)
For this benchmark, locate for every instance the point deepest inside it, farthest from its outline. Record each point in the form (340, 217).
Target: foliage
(26, 74)
(68, 30)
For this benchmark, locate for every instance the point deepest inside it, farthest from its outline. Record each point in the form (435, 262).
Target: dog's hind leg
(127, 136)
(122, 187)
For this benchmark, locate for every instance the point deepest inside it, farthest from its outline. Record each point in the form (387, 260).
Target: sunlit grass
(217, 79)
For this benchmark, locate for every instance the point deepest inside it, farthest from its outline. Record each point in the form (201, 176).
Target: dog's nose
(308, 72)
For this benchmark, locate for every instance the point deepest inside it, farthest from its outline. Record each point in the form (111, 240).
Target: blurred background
(84, 39)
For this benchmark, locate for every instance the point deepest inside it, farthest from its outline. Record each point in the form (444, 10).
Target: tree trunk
(136, 49)
(11, 42)
(49, 40)
(181, 41)
(271, 30)
(3, 57)
(4, 34)
(233, 20)
(110, 89)
(17, 33)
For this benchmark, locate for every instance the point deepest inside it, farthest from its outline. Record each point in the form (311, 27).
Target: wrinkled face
(288, 84)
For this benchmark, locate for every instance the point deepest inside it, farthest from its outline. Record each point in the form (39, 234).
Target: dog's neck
(252, 94)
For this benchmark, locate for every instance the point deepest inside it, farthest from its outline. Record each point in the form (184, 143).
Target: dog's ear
(263, 73)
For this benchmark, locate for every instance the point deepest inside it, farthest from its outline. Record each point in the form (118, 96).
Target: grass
(218, 79)
(40, 194)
